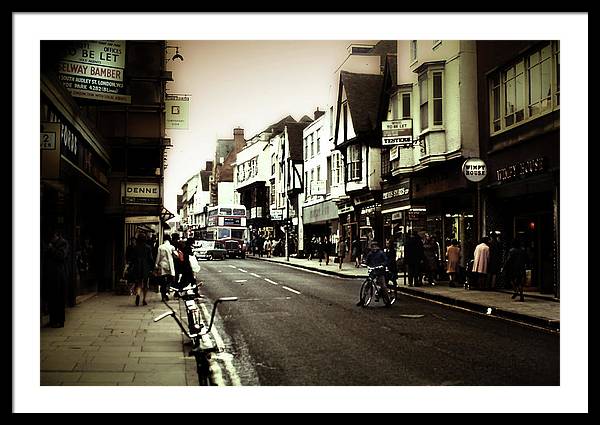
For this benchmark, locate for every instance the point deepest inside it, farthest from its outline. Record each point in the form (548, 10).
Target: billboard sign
(396, 132)
(94, 70)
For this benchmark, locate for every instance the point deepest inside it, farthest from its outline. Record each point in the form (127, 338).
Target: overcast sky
(247, 83)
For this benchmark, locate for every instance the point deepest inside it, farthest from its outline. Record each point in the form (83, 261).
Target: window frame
(428, 75)
(354, 163)
(498, 73)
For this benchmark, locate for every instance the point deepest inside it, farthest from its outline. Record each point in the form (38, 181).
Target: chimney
(238, 137)
(318, 114)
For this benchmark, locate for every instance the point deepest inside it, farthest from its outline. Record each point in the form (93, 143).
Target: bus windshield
(223, 233)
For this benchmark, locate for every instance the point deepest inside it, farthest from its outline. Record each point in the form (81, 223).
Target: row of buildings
(102, 145)
(386, 154)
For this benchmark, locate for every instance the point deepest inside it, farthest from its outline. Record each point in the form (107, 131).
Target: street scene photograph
(300, 212)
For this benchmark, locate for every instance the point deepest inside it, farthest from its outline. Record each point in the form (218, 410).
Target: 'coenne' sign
(140, 193)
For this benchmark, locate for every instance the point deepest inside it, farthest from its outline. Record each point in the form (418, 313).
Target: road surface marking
(241, 280)
(291, 290)
(254, 274)
(242, 270)
(270, 281)
(233, 267)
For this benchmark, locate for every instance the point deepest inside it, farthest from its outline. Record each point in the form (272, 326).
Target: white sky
(242, 83)
(30, 28)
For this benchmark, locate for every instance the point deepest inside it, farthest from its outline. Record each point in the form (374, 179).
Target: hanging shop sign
(177, 109)
(474, 169)
(394, 153)
(276, 214)
(396, 132)
(521, 170)
(345, 209)
(140, 193)
(94, 70)
(50, 150)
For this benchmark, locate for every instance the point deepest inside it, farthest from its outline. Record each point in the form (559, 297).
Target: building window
(312, 178)
(331, 122)
(413, 50)
(385, 161)
(272, 194)
(513, 83)
(438, 116)
(305, 183)
(336, 168)
(354, 162)
(525, 89)
(318, 142)
(312, 146)
(431, 91)
(306, 148)
(423, 99)
(405, 105)
(273, 161)
(393, 107)
(540, 80)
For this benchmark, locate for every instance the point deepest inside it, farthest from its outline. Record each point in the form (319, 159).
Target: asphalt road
(296, 327)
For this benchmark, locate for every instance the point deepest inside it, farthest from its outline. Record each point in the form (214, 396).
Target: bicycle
(195, 329)
(371, 287)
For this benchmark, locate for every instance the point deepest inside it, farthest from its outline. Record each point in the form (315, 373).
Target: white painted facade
(452, 62)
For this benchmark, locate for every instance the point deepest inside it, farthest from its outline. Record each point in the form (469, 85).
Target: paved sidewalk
(107, 340)
(538, 310)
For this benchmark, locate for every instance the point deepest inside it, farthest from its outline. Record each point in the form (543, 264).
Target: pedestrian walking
(55, 257)
(356, 250)
(481, 258)
(164, 266)
(413, 258)
(187, 274)
(141, 267)
(324, 250)
(391, 262)
(495, 262)
(267, 247)
(431, 259)
(453, 260)
(514, 269)
(341, 251)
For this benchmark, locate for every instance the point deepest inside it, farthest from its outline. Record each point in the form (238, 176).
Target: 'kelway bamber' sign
(94, 70)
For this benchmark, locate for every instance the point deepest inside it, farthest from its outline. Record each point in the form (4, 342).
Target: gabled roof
(363, 92)
(294, 132)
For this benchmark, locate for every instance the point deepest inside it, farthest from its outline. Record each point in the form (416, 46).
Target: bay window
(525, 89)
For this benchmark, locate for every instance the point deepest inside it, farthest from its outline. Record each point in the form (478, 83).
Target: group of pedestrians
(168, 264)
(320, 248)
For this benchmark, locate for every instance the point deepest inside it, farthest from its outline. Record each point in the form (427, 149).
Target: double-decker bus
(227, 223)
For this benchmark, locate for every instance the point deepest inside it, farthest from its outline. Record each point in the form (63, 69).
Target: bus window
(237, 233)
(225, 211)
(223, 233)
(237, 211)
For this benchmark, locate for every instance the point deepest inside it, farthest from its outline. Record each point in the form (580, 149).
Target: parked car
(235, 249)
(210, 250)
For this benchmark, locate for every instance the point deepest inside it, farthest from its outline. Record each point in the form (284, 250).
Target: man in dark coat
(413, 257)
(142, 266)
(55, 258)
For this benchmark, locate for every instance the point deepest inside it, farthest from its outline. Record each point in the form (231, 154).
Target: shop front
(321, 220)
(522, 203)
(444, 205)
(74, 167)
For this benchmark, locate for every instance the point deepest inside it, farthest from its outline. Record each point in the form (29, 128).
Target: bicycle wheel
(392, 294)
(366, 292)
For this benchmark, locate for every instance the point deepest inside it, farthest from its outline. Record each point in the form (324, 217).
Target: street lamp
(176, 55)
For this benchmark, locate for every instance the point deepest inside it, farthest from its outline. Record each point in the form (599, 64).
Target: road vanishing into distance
(295, 327)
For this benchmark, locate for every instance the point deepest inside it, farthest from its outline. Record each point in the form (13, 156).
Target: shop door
(536, 234)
